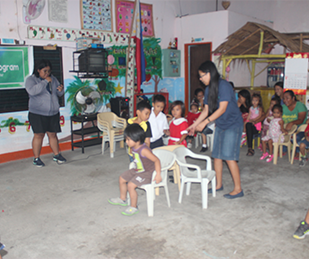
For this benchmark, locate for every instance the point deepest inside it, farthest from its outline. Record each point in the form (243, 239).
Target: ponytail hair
(209, 67)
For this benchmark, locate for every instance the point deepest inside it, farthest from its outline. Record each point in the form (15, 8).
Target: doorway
(195, 55)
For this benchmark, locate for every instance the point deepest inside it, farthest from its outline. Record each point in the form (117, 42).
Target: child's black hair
(135, 132)
(276, 99)
(257, 95)
(182, 105)
(194, 104)
(277, 106)
(143, 105)
(159, 98)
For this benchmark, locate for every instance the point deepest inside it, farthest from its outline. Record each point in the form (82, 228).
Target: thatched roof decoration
(247, 39)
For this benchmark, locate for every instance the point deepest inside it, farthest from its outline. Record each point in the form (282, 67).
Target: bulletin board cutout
(296, 73)
(124, 15)
(96, 15)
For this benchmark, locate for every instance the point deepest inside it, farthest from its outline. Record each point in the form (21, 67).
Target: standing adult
(279, 91)
(44, 91)
(220, 106)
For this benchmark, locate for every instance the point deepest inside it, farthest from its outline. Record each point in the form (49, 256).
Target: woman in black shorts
(44, 91)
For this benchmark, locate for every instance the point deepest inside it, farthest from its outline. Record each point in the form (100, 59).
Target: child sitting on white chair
(145, 163)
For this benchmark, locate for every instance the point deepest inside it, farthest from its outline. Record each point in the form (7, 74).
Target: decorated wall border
(37, 32)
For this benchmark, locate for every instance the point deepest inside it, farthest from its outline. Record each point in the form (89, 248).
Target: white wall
(215, 27)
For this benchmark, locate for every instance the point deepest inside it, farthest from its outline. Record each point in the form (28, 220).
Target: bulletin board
(124, 14)
(96, 14)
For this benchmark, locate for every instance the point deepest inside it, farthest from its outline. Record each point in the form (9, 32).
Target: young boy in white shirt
(158, 121)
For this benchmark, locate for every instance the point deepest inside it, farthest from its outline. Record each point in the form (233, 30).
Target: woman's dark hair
(182, 105)
(257, 95)
(41, 64)
(279, 83)
(278, 107)
(291, 93)
(135, 132)
(198, 90)
(246, 94)
(209, 67)
(276, 99)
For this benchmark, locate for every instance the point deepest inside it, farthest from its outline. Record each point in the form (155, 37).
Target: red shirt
(191, 117)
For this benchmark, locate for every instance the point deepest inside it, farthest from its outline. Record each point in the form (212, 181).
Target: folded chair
(167, 159)
(112, 127)
(191, 173)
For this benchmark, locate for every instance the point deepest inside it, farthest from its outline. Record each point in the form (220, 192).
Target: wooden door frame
(187, 69)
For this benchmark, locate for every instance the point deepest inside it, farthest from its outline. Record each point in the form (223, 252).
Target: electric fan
(88, 100)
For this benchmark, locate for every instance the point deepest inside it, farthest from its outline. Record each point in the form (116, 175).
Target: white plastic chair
(112, 127)
(301, 128)
(278, 146)
(198, 139)
(167, 159)
(195, 176)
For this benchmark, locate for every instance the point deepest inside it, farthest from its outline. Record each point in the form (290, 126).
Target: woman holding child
(221, 107)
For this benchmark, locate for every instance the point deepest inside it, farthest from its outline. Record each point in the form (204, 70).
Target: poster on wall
(15, 65)
(296, 73)
(96, 14)
(124, 14)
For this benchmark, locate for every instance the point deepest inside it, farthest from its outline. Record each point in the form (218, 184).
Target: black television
(93, 61)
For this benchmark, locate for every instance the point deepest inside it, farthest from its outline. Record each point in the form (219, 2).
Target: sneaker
(130, 211)
(270, 158)
(264, 156)
(59, 159)
(38, 162)
(302, 162)
(117, 201)
(204, 149)
(189, 145)
(302, 230)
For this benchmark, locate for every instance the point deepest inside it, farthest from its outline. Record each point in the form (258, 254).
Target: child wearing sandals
(145, 162)
(269, 115)
(275, 129)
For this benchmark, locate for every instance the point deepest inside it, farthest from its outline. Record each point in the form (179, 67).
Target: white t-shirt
(157, 124)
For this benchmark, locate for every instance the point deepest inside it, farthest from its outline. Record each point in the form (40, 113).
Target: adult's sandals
(250, 152)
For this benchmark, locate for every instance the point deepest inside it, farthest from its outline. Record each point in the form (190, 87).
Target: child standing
(145, 163)
(303, 145)
(158, 121)
(252, 126)
(192, 115)
(274, 100)
(142, 112)
(178, 125)
(275, 129)
(199, 98)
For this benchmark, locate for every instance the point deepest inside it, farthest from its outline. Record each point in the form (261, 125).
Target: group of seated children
(143, 133)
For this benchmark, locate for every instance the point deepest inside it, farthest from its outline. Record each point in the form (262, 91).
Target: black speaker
(120, 106)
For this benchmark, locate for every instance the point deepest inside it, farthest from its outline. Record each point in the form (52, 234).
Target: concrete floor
(61, 211)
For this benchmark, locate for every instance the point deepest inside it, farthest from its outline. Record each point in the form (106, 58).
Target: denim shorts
(227, 143)
(305, 142)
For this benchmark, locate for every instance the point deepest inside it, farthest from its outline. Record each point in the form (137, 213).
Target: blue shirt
(232, 116)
